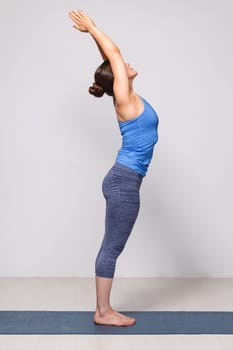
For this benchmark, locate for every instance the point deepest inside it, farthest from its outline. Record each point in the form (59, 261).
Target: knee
(105, 264)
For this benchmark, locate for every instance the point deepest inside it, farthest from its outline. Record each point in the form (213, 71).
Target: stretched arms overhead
(109, 50)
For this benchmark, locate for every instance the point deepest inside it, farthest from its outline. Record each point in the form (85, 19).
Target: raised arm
(101, 51)
(108, 50)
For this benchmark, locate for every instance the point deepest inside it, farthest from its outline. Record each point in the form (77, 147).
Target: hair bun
(96, 90)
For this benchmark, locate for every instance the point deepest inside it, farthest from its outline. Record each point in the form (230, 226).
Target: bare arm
(101, 51)
(109, 50)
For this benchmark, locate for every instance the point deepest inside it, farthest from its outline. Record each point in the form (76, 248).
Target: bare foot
(113, 318)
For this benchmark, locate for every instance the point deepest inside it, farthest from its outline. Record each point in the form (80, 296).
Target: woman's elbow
(114, 55)
(113, 51)
(116, 49)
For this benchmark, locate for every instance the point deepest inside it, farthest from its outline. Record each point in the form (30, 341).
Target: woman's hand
(82, 21)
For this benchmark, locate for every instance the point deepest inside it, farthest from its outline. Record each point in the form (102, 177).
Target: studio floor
(132, 294)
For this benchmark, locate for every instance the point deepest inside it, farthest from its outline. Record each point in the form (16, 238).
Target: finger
(75, 15)
(79, 13)
(76, 19)
(71, 15)
(82, 13)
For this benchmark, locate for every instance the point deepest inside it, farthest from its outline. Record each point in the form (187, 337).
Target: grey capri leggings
(120, 188)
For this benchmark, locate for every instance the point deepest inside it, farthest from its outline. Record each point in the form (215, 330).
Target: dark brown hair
(103, 80)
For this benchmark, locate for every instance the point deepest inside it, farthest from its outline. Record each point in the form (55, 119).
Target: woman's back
(139, 135)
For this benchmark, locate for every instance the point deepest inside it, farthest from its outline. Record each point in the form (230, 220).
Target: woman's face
(132, 73)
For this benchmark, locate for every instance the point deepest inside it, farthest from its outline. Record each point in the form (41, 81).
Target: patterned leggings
(120, 188)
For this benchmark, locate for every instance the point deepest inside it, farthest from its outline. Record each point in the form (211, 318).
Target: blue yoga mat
(147, 322)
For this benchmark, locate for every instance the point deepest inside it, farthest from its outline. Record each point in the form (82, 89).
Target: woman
(138, 123)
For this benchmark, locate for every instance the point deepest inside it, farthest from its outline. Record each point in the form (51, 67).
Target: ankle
(103, 310)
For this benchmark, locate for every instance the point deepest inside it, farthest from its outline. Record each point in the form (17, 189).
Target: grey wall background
(57, 142)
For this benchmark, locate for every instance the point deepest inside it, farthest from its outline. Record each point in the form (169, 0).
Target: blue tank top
(139, 135)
